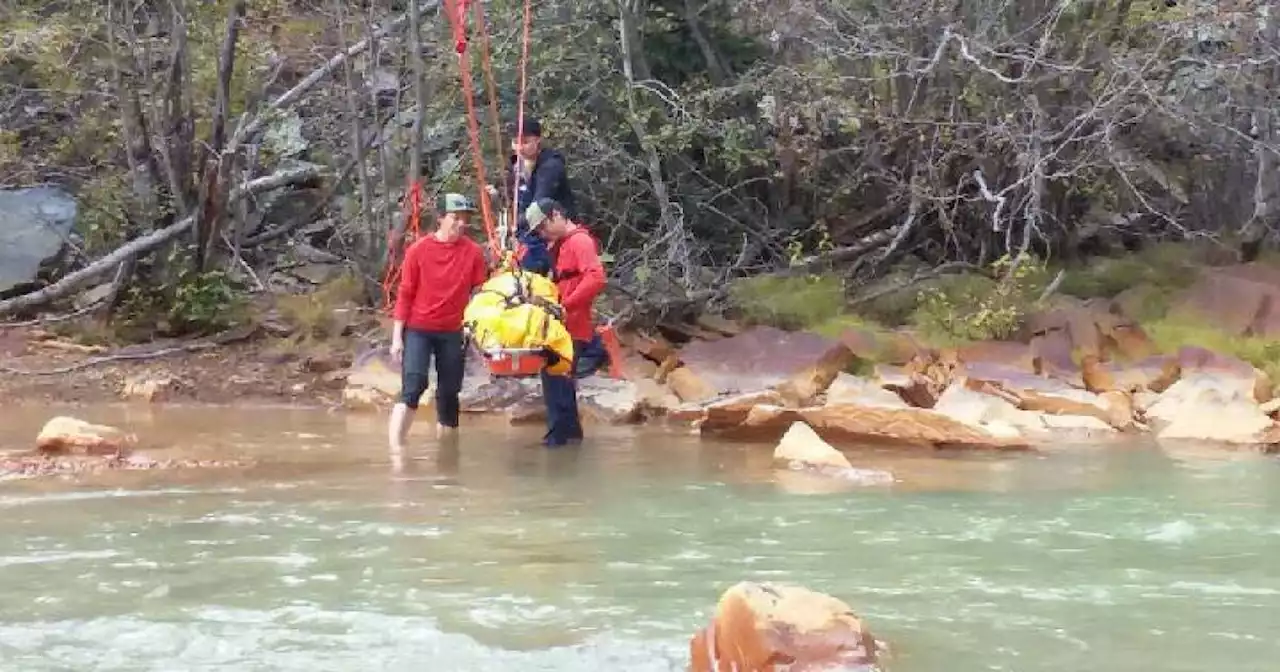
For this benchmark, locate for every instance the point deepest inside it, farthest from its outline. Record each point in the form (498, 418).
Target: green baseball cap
(538, 212)
(456, 203)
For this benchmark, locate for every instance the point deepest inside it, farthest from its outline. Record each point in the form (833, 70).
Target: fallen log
(137, 246)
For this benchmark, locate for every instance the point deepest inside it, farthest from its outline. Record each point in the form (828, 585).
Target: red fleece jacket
(580, 278)
(436, 282)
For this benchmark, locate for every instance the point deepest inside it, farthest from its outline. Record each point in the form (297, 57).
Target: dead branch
(295, 94)
(841, 255)
(138, 246)
(216, 166)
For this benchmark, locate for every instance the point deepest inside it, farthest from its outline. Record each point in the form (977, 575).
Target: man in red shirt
(579, 276)
(440, 273)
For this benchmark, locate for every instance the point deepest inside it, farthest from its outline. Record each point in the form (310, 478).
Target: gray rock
(35, 225)
(283, 136)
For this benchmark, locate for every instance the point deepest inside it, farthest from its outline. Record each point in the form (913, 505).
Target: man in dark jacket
(536, 172)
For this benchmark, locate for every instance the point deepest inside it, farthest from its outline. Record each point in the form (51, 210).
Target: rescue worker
(537, 172)
(579, 277)
(439, 275)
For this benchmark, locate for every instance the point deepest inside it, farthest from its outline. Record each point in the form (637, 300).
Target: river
(506, 556)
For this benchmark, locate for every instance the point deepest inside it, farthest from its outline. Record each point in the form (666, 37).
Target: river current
(503, 555)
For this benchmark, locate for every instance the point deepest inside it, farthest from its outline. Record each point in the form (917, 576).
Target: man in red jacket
(440, 273)
(579, 276)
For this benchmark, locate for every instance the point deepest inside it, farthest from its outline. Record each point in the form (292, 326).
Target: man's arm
(593, 279)
(405, 294)
(480, 270)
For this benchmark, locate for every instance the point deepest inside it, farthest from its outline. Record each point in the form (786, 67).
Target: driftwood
(137, 246)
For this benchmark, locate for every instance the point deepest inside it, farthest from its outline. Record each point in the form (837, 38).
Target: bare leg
(398, 427)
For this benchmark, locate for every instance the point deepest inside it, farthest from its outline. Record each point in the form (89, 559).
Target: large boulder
(1072, 328)
(758, 358)
(35, 225)
(768, 627)
(1209, 408)
(1239, 300)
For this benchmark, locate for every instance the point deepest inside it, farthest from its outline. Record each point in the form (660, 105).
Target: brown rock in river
(767, 627)
(801, 445)
(65, 435)
(911, 426)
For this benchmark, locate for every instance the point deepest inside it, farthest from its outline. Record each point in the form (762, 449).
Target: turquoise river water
(505, 556)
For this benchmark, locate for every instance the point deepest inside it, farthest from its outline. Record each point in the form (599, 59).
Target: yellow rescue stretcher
(513, 320)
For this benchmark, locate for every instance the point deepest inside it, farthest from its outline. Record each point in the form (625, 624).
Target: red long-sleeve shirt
(436, 282)
(580, 279)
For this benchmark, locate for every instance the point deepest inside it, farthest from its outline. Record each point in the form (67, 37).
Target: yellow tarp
(505, 315)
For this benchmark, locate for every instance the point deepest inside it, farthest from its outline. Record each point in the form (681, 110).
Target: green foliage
(974, 308)
(790, 302)
(101, 213)
(191, 303)
(1169, 266)
(1173, 332)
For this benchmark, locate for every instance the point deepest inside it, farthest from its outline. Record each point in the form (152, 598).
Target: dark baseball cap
(532, 128)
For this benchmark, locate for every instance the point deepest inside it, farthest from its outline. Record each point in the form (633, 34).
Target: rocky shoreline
(1081, 371)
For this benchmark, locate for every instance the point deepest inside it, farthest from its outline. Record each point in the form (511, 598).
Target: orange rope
(457, 17)
(412, 229)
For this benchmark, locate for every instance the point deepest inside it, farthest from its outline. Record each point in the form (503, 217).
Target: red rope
(412, 229)
(457, 16)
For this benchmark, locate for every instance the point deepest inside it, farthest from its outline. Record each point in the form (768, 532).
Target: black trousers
(445, 347)
(560, 394)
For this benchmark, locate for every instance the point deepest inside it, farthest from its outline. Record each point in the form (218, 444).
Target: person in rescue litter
(579, 277)
(536, 172)
(439, 275)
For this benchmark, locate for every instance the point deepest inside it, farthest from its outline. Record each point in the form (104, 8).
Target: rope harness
(456, 12)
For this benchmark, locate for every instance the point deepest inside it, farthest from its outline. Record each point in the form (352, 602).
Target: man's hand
(555, 310)
(493, 191)
(397, 350)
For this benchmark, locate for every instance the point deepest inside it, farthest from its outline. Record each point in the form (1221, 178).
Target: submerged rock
(813, 466)
(768, 627)
(802, 446)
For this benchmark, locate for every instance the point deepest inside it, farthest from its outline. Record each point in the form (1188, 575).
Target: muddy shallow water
(505, 556)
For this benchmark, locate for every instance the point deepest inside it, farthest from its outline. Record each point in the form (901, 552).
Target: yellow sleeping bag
(514, 310)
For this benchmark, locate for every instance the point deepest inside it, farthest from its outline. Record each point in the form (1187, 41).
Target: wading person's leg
(560, 394)
(413, 383)
(450, 369)
(589, 356)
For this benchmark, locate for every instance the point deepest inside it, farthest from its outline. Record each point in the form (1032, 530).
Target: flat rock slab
(757, 358)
